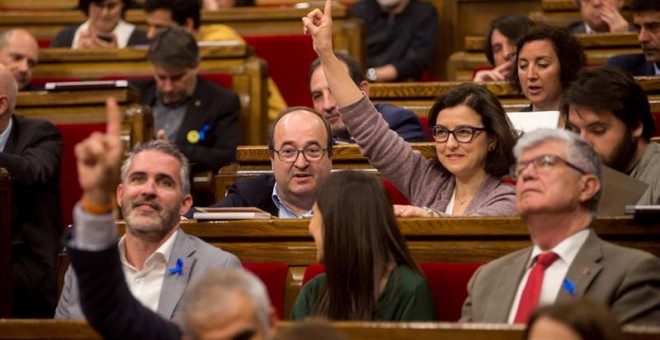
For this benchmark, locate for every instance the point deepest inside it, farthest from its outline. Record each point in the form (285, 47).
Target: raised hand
(613, 18)
(98, 159)
(319, 25)
(499, 73)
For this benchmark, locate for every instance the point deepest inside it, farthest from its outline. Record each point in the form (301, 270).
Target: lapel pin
(193, 136)
(178, 268)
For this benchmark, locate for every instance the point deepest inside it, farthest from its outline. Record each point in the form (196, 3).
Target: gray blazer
(198, 257)
(627, 280)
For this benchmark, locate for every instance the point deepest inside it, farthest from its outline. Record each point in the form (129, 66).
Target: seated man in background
(401, 36)
(558, 189)
(404, 122)
(158, 258)
(222, 304)
(30, 151)
(198, 116)
(600, 16)
(607, 108)
(646, 18)
(300, 147)
(187, 15)
(19, 52)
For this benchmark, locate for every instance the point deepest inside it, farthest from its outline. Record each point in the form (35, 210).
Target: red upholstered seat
(273, 275)
(425, 125)
(43, 81)
(395, 195)
(70, 192)
(288, 57)
(448, 283)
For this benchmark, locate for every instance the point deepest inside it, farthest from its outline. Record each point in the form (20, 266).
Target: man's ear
(590, 186)
(120, 190)
(186, 204)
(364, 87)
(637, 131)
(190, 25)
(272, 322)
(4, 104)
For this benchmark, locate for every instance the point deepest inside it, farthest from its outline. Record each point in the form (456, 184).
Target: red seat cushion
(311, 271)
(43, 81)
(448, 283)
(395, 195)
(425, 125)
(288, 57)
(71, 192)
(273, 275)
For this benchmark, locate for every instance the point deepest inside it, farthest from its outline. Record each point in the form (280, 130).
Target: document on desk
(230, 213)
(619, 190)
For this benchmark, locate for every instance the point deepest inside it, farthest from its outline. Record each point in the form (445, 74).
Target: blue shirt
(284, 211)
(4, 136)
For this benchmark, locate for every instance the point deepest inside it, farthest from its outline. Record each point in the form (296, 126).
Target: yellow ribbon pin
(193, 136)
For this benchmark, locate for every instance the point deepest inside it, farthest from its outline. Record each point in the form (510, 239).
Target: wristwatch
(371, 75)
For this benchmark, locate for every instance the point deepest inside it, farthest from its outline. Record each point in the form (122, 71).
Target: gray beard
(151, 232)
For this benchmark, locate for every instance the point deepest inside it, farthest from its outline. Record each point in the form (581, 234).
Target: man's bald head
(19, 52)
(8, 92)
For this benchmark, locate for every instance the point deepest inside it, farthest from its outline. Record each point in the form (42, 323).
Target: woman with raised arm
(473, 135)
(370, 275)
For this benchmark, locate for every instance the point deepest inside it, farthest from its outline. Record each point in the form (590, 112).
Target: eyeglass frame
(108, 6)
(301, 151)
(475, 130)
(514, 173)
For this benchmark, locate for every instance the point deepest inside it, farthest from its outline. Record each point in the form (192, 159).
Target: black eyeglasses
(543, 163)
(462, 134)
(290, 155)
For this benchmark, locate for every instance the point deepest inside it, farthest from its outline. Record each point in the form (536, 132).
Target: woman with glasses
(104, 28)
(548, 60)
(353, 224)
(474, 142)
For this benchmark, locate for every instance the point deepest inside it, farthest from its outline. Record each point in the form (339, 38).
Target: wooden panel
(248, 75)
(5, 244)
(590, 41)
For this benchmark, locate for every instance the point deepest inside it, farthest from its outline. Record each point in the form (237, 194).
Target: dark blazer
(64, 38)
(198, 257)
(32, 157)
(107, 302)
(635, 64)
(251, 192)
(404, 122)
(627, 280)
(210, 105)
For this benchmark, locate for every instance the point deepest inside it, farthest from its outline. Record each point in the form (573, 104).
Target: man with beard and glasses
(157, 257)
(611, 112)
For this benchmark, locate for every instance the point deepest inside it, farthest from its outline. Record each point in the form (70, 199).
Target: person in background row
(19, 52)
(600, 16)
(104, 28)
(548, 60)
(218, 5)
(500, 43)
(404, 122)
(579, 319)
(646, 18)
(353, 223)
(401, 36)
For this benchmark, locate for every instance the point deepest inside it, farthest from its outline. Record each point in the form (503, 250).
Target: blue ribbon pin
(569, 287)
(203, 131)
(178, 269)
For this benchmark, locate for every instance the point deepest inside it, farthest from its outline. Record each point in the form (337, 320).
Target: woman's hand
(499, 73)
(319, 25)
(414, 211)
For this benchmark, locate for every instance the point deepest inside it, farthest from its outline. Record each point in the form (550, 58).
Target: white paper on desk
(619, 190)
(528, 121)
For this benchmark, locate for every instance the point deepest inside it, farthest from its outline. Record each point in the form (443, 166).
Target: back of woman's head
(360, 237)
(567, 47)
(586, 318)
(493, 117)
(513, 27)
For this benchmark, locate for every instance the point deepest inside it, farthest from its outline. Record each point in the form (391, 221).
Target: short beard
(154, 231)
(623, 153)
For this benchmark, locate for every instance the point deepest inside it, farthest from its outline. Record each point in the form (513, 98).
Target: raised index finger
(113, 126)
(328, 8)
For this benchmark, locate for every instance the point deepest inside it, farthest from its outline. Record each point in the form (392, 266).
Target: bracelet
(430, 212)
(96, 209)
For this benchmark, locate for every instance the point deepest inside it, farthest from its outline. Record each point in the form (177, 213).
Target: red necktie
(530, 295)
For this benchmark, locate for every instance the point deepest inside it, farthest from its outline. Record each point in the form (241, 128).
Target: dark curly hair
(83, 5)
(496, 122)
(568, 49)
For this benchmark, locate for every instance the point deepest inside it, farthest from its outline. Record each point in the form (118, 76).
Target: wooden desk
(248, 75)
(589, 41)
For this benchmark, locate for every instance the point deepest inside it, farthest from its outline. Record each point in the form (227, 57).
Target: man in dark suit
(193, 113)
(19, 52)
(404, 122)
(646, 18)
(221, 304)
(300, 146)
(30, 150)
(600, 16)
(558, 188)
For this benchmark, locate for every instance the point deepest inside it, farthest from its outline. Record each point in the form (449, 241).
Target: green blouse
(406, 298)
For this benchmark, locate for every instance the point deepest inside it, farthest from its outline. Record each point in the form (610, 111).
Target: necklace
(460, 202)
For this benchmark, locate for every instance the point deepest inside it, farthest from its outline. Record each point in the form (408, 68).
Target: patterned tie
(530, 295)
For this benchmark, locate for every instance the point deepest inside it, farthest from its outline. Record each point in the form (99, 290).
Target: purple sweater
(414, 175)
